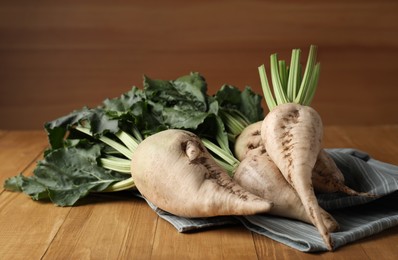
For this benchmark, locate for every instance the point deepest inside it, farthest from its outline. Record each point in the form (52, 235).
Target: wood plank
(382, 245)
(380, 142)
(19, 149)
(269, 249)
(138, 243)
(107, 227)
(27, 227)
(219, 243)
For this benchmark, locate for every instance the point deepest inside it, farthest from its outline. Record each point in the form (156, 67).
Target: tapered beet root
(174, 171)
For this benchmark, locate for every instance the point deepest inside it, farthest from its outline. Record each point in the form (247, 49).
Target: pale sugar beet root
(249, 139)
(258, 174)
(174, 171)
(292, 135)
(327, 177)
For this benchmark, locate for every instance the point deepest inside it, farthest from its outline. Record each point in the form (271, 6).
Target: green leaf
(183, 119)
(67, 175)
(251, 105)
(228, 96)
(181, 103)
(126, 102)
(185, 93)
(96, 119)
(32, 187)
(245, 102)
(133, 112)
(14, 183)
(193, 86)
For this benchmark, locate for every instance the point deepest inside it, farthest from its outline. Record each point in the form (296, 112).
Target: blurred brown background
(57, 56)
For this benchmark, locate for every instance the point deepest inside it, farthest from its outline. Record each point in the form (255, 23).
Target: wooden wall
(57, 56)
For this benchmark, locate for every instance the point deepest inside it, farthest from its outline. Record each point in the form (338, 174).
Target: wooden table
(117, 226)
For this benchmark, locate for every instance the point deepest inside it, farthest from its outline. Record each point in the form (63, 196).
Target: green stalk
(128, 140)
(309, 70)
(283, 74)
(235, 124)
(241, 117)
(121, 185)
(294, 75)
(137, 135)
(120, 148)
(312, 85)
(117, 146)
(225, 156)
(116, 164)
(269, 99)
(300, 88)
(227, 167)
(278, 89)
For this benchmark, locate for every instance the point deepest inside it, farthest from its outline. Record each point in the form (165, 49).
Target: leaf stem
(305, 83)
(294, 75)
(121, 185)
(276, 82)
(235, 123)
(300, 88)
(128, 140)
(116, 164)
(228, 158)
(269, 99)
(117, 146)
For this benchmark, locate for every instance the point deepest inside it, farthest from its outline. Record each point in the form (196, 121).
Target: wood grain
(380, 142)
(231, 243)
(120, 226)
(59, 56)
(18, 150)
(106, 228)
(27, 227)
(270, 249)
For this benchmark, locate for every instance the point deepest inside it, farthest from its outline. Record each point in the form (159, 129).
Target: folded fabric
(358, 217)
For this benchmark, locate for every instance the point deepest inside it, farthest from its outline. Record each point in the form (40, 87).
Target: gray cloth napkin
(358, 217)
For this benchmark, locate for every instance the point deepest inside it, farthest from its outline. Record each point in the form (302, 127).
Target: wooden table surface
(118, 226)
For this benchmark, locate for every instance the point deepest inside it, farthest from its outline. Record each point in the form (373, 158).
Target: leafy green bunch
(90, 148)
